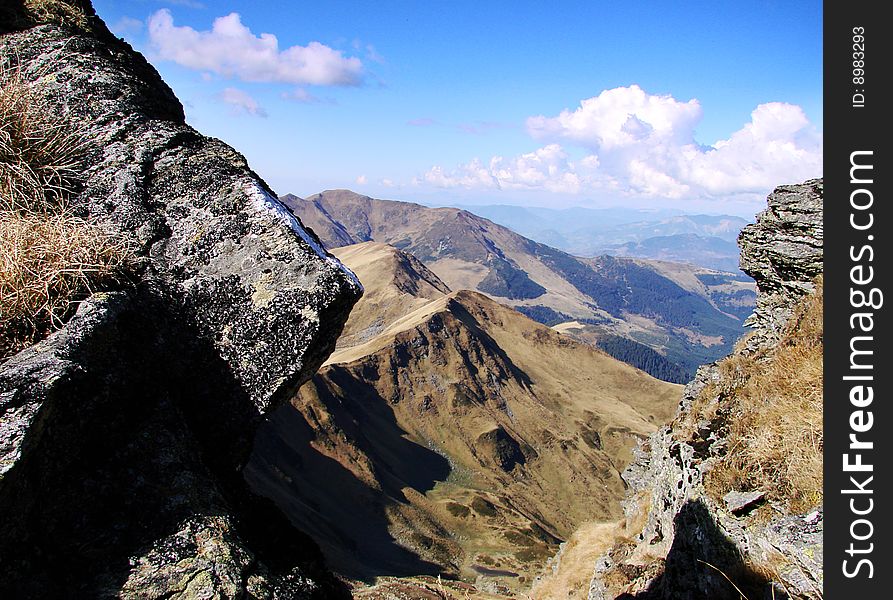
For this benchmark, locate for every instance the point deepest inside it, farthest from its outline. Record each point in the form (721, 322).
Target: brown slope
(466, 251)
(464, 437)
(329, 230)
(683, 320)
(398, 285)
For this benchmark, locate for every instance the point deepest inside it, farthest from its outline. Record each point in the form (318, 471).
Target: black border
(848, 128)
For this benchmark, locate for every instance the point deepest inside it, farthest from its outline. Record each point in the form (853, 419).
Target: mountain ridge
(605, 294)
(665, 234)
(504, 411)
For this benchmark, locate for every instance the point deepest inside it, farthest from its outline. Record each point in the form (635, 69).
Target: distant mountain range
(687, 315)
(450, 434)
(663, 234)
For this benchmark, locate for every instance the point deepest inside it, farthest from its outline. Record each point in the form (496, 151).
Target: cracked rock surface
(123, 435)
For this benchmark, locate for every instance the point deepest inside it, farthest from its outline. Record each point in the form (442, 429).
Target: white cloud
(779, 145)
(232, 50)
(470, 175)
(643, 145)
(241, 102)
(421, 122)
(547, 168)
(361, 180)
(649, 181)
(621, 117)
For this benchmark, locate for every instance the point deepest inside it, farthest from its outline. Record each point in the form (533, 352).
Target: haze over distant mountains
(665, 317)
(660, 234)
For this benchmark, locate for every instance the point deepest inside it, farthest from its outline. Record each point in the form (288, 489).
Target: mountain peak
(672, 312)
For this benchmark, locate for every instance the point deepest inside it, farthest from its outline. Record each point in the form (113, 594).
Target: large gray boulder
(123, 435)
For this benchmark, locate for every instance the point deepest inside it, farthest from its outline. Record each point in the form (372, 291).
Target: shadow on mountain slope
(345, 510)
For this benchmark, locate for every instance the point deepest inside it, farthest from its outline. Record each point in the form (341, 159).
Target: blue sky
(699, 105)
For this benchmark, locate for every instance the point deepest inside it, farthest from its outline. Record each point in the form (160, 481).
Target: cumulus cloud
(470, 175)
(361, 180)
(621, 117)
(778, 145)
(643, 144)
(548, 168)
(230, 49)
(241, 103)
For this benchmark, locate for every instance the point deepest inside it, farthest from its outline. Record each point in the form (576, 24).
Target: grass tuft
(775, 415)
(41, 154)
(49, 256)
(56, 11)
(46, 262)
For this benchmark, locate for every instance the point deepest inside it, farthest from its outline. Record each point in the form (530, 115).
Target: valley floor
(566, 575)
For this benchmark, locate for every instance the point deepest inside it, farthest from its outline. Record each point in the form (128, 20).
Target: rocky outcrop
(782, 251)
(684, 543)
(123, 435)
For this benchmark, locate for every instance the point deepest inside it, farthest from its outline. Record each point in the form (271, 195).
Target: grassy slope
(664, 307)
(436, 389)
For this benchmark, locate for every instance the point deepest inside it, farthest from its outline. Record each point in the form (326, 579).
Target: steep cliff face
(782, 251)
(684, 541)
(123, 435)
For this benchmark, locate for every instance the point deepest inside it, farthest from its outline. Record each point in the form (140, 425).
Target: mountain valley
(665, 317)
(450, 434)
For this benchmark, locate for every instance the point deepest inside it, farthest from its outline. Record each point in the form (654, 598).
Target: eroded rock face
(123, 435)
(782, 251)
(688, 545)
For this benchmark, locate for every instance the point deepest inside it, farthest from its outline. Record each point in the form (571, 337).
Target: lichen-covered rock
(256, 282)
(782, 251)
(686, 545)
(123, 435)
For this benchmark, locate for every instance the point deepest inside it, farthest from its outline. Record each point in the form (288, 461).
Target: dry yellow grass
(571, 574)
(41, 154)
(56, 11)
(775, 416)
(46, 262)
(49, 257)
